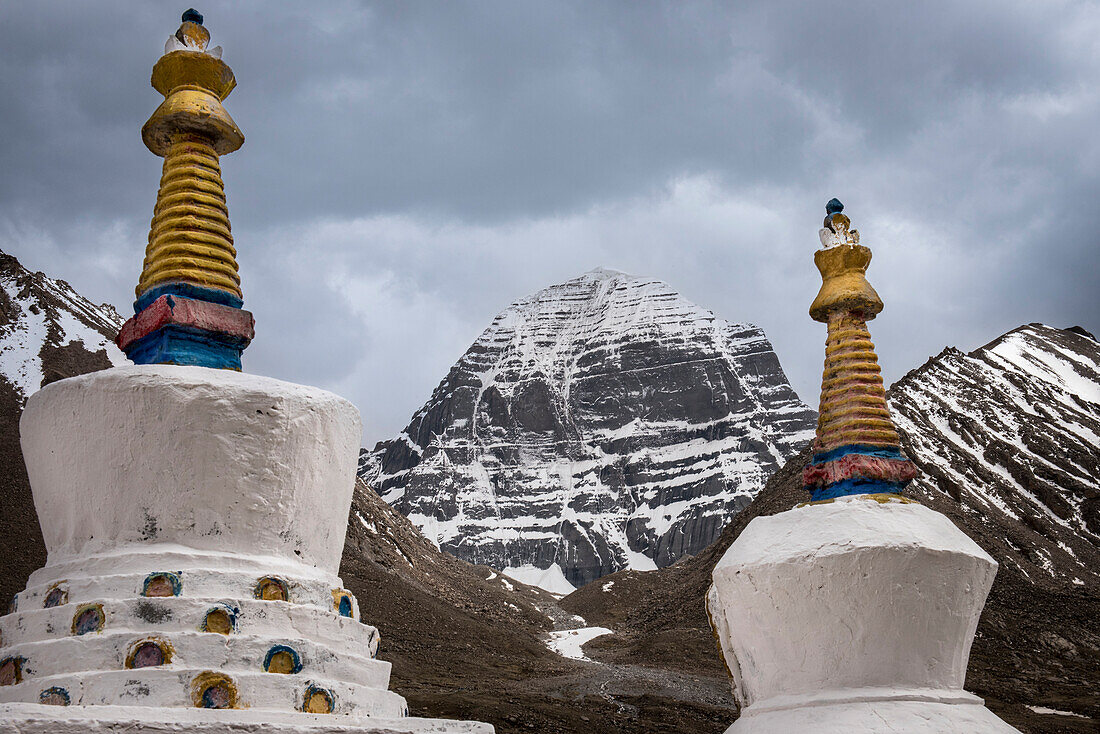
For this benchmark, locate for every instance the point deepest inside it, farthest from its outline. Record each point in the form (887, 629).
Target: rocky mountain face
(1011, 433)
(47, 332)
(599, 424)
(1005, 439)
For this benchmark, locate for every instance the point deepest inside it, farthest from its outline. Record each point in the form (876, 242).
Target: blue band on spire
(187, 290)
(883, 452)
(851, 487)
(176, 344)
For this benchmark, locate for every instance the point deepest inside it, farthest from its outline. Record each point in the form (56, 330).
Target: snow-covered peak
(1011, 431)
(600, 423)
(41, 319)
(602, 273)
(597, 322)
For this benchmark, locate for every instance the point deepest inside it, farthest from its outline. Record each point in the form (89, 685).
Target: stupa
(194, 516)
(854, 612)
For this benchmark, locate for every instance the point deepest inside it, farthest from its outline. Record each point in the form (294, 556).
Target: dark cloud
(412, 167)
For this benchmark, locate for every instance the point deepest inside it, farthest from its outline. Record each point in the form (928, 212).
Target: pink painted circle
(148, 655)
(10, 672)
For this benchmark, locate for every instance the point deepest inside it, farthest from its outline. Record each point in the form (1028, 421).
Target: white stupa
(194, 516)
(853, 613)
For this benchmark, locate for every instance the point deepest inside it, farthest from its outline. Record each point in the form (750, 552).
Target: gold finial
(843, 263)
(189, 239)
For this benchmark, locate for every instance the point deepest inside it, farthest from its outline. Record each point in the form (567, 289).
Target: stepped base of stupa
(194, 520)
(912, 712)
(23, 718)
(853, 616)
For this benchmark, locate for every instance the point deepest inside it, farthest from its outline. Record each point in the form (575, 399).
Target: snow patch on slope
(570, 643)
(38, 311)
(549, 579)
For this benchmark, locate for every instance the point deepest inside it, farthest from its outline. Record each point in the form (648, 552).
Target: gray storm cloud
(411, 168)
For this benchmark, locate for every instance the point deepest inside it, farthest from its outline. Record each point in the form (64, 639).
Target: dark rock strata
(599, 424)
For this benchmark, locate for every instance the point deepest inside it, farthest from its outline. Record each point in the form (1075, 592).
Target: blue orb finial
(192, 15)
(834, 207)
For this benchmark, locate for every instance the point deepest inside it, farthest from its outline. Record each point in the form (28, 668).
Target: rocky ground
(466, 642)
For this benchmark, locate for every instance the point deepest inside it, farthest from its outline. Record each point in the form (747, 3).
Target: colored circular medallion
(221, 620)
(282, 659)
(88, 618)
(318, 700)
(149, 654)
(57, 596)
(11, 671)
(55, 696)
(271, 588)
(212, 690)
(162, 584)
(341, 602)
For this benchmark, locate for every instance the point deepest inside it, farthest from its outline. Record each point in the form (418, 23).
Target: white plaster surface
(219, 479)
(209, 459)
(38, 719)
(889, 716)
(196, 650)
(169, 686)
(141, 616)
(203, 575)
(852, 611)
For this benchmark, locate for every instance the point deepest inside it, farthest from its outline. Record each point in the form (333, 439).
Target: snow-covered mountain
(599, 424)
(1011, 433)
(41, 319)
(47, 332)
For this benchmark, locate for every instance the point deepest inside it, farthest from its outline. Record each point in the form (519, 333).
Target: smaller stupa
(194, 516)
(855, 612)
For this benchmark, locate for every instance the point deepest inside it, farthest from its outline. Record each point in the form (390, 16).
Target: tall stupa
(855, 612)
(194, 516)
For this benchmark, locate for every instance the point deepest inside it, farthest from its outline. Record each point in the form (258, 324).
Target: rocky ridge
(1011, 433)
(599, 424)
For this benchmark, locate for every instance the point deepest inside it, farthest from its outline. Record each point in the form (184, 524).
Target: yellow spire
(857, 449)
(189, 237)
(853, 400)
(188, 308)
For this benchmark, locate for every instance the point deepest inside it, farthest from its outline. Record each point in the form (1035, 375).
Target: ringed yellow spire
(190, 240)
(857, 449)
(188, 308)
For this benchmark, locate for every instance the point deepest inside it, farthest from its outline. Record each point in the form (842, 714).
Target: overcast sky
(411, 168)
